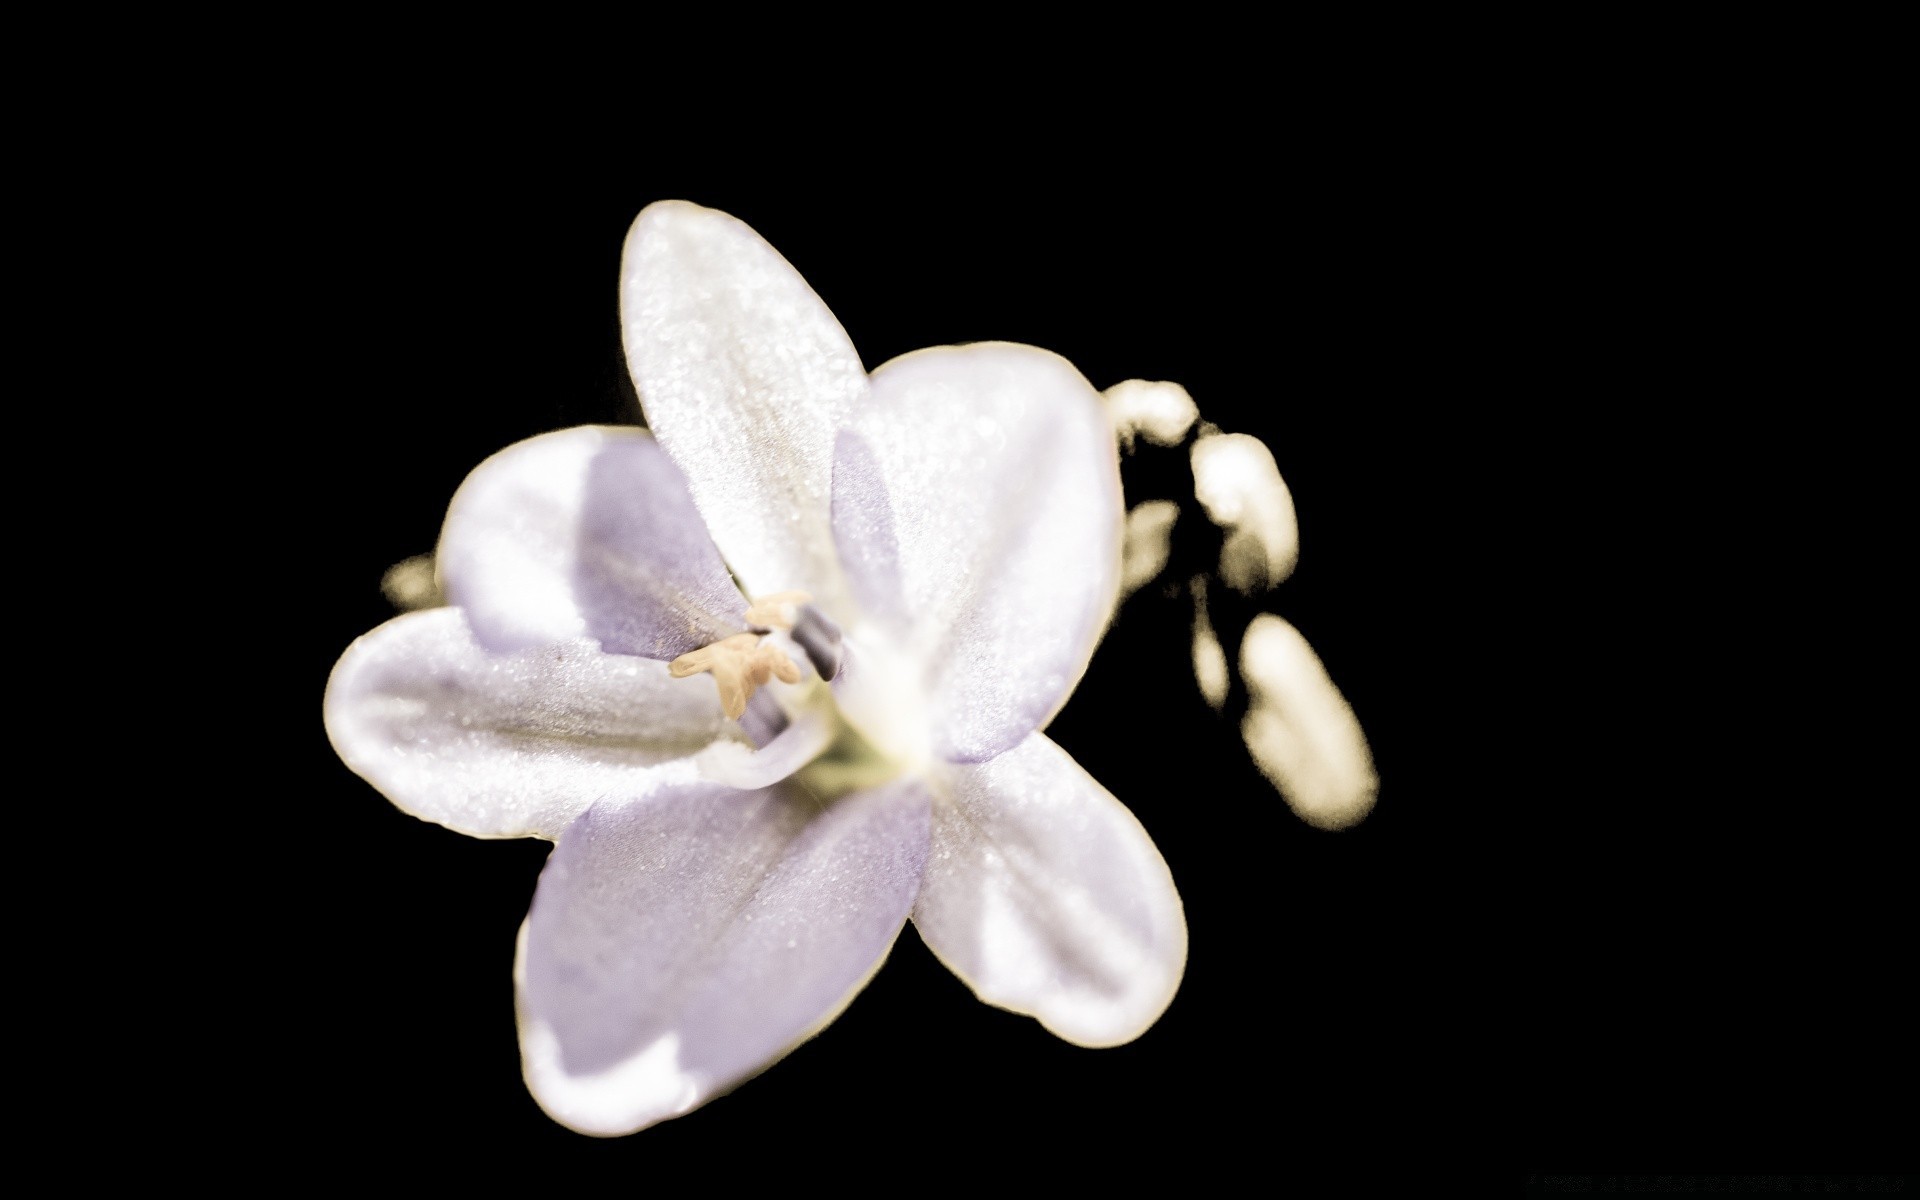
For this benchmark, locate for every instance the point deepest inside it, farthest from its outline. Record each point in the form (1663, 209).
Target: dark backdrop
(1548, 937)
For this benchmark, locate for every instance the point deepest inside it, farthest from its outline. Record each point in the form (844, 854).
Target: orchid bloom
(890, 584)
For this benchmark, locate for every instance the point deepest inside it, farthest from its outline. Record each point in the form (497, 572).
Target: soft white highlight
(643, 1090)
(1149, 539)
(1300, 730)
(1160, 412)
(533, 491)
(1237, 482)
(878, 690)
(646, 1088)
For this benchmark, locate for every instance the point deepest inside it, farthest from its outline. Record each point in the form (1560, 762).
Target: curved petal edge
(744, 375)
(513, 745)
(977, 498)
(1045, 895)
(682, 944)
(586, 532)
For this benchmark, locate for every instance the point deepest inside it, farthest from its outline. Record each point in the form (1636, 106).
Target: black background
(1573, 925)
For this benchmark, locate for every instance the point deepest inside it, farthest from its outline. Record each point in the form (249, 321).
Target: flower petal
(587, 532)
(507, 746)
(977, 505)
(682, 942)
(1045, 895)
(744, 376)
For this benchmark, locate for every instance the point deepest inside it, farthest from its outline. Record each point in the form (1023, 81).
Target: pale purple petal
(745, 377)
(509, 745)
(977, 508)
(586, 532)
(863, 531)
(1045, 895)
(681, 943)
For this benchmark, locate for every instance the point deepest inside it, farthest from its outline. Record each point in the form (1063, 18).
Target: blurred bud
(1149, 539)
(1159, 412)
(1236, 481)
(1209, 660)
(410, 584)
(1300, 730)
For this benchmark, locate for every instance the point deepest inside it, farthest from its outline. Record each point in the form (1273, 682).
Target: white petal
(684, 942)
(1045, 895)
(586, 532)
(977, 503)
(512, 745)
(745, 377)
(1300, 730)
(1237, 482)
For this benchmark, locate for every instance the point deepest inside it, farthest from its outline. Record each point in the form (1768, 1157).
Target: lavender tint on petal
(647, 578)
(982, 486)
(586, 532)
(863, 533)
(725, 925)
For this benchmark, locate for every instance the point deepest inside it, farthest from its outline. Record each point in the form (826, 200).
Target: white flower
(721, 889)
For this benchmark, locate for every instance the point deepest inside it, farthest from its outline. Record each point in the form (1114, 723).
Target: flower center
(742, 664)
(875, 721)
